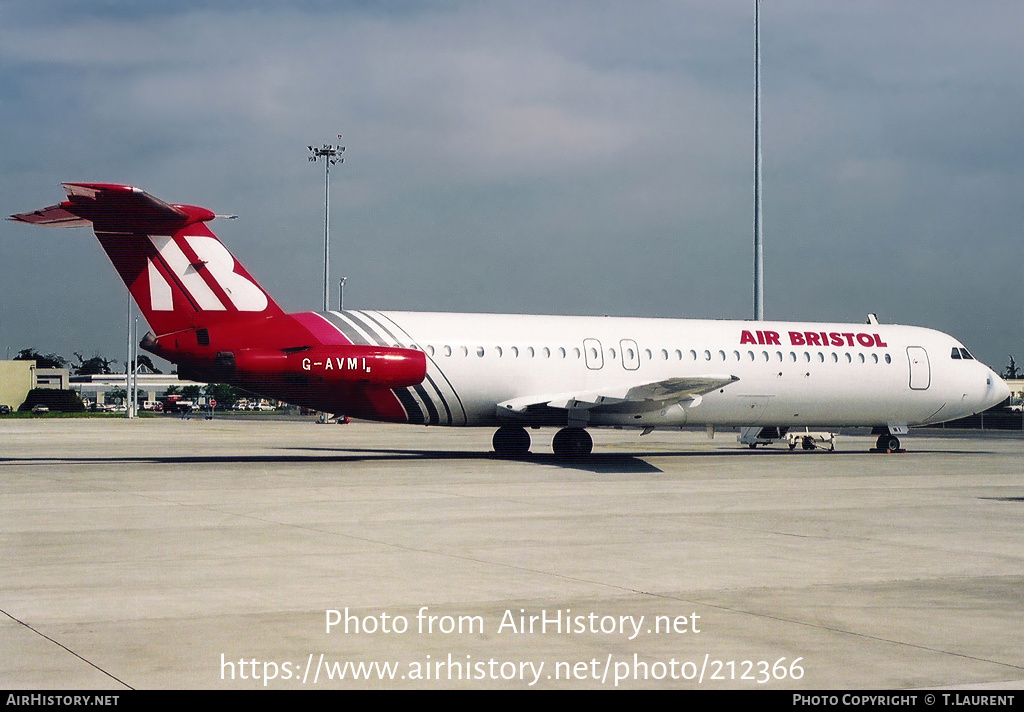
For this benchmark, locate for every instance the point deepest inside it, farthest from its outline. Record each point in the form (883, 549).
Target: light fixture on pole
(341, 297)
(331, 155)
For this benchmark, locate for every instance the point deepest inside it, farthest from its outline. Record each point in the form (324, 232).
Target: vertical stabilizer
(178, 272)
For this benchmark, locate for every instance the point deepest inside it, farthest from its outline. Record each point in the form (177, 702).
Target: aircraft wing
(654, 394)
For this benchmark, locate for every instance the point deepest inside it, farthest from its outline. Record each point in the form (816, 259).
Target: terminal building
(18, 378)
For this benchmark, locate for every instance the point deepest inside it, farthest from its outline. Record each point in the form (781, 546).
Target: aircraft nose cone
(996, 390)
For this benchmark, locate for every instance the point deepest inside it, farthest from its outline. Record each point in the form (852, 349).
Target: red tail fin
(178, 272)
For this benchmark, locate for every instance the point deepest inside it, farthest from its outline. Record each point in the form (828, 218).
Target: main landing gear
(511, 441)
(514, 441)
(572, 442)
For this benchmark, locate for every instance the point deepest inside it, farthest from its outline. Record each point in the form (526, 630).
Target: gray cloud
(570, 157)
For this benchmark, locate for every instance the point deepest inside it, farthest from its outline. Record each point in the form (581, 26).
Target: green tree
(225, 395)
(47, 361)
(92, 366)
(147, 362)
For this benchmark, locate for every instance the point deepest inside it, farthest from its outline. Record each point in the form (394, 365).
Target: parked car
(40, 408)
(5, 409)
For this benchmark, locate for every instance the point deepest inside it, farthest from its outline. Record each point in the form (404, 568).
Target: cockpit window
(966, 354)
(956, 353)
(960, 352)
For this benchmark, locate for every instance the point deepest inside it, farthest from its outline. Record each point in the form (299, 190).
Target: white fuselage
(784, 374)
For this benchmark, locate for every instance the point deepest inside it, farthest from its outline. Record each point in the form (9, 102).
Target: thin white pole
(758, 236)
(327, 233)
(128, 359)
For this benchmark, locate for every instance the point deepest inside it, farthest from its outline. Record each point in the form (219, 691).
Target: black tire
(511, 441)
(572, 442)
(891, 443)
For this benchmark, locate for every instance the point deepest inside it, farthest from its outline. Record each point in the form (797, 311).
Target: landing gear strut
(572, 442)
(511, 441)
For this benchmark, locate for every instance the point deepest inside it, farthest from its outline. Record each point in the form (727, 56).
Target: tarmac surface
(163, 553)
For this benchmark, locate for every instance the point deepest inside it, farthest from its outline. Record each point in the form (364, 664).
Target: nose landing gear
(887, 443)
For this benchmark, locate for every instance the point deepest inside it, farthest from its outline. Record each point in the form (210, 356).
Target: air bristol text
(813, 338)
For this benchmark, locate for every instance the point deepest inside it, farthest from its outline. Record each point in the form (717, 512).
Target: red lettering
(812, 338)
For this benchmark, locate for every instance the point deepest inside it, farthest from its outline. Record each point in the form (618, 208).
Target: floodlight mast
(331, 155)
(758, 237)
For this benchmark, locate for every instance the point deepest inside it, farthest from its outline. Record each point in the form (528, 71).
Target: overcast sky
(590, 157)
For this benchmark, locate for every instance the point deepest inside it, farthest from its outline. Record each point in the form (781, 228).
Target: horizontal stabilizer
(53, 216)
(114, 208)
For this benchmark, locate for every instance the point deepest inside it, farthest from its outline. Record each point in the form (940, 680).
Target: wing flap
(657, 394)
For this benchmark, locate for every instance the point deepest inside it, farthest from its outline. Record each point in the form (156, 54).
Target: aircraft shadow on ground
(598, 462)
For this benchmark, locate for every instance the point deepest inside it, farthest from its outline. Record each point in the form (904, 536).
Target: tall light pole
(331, 155)
(758, 244)
(341, 296)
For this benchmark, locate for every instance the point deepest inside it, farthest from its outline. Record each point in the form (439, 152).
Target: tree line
(92, 366)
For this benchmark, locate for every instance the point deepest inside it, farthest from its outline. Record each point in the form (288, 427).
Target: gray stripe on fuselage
(453, 395)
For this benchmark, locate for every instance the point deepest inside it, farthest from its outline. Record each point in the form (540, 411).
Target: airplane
(510, 371)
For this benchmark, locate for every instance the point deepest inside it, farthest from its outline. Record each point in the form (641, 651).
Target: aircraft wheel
(572, 442)
(888, 442)
(511, 441)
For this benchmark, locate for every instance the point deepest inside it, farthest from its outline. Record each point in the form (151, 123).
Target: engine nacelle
(381, 366)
